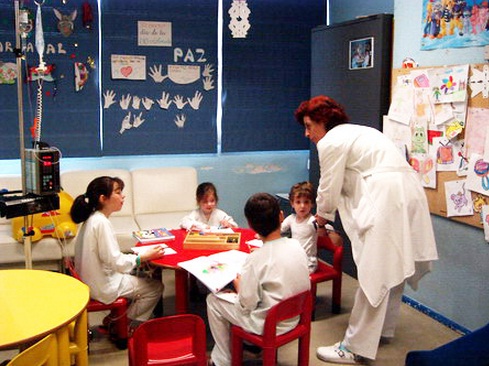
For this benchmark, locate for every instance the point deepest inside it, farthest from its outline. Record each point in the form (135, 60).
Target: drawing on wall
(477, 175)
(485, 221)
(362, 53)
(449, 84)
(479, 82)
(154, 34)
(459, 201)
(129, 67)
(454, 24)
(8, 73)
(239, 23)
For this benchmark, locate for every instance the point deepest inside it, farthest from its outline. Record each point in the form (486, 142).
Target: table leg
(181, 291)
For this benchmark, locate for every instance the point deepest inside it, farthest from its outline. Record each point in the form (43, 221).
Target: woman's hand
(152, 253)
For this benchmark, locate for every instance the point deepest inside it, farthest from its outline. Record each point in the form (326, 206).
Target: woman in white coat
(385, 214)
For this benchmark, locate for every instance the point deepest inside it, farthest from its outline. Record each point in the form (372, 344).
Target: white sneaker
(338, 354)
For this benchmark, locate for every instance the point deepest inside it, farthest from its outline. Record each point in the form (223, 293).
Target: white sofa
(155, 197)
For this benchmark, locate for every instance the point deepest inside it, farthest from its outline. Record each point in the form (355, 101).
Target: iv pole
(19, 54)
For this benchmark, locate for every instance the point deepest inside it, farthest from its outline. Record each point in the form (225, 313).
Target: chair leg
(269, 356)
(303, 357)
(336, 300)
(313, 292)
(236, 350)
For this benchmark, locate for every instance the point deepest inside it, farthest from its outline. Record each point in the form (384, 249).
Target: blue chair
(469, 350)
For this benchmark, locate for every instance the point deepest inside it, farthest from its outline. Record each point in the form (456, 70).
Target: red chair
(118, 310)
(328, 272)
(298, 305)
(170, 340)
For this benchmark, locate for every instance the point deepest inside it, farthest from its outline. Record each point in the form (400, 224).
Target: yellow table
(35, 303)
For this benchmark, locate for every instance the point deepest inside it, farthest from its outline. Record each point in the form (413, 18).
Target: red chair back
(171, 340)
(299, 305)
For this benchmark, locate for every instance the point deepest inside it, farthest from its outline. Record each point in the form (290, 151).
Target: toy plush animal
(65, 23)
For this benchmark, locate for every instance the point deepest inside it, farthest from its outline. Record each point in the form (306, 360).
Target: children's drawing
(458, 199)
(454, 24)
(239, 23)
(8, 72)
(481, 169)
(475, 132)
(419, 140)
(425, 165)
(479, 82)
(485, 221)
(399, 133)
(449, 84)
(129, 67)
(81, 75)
(402, 107)
(477, 203)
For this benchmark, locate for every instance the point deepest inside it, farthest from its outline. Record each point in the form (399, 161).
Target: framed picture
(361, 53)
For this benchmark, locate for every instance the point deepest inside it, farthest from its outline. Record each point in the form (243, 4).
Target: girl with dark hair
(98, 259)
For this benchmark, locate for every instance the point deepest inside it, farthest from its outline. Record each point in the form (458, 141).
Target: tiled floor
(415, 331)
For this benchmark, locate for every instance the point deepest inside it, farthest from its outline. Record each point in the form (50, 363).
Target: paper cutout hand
(208, 70)
(155, 73)
(195, 101)
(180, 120)
(208, 83)
(136, 101)
(124, 102)
(109, 98)
(148, 103)
(126, 123)
(179, 102)
(138, 121)
(165, 101)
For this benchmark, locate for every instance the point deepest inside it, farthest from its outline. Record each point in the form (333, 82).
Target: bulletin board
(436, 196)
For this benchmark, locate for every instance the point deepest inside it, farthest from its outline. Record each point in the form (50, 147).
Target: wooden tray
(210, 241)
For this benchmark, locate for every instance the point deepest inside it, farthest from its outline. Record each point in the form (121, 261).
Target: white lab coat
(197, 218)
(382, 206)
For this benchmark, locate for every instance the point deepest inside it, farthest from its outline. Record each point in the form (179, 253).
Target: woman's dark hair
(204, 189)
(323, 110)
(263, 213)
(86, 203)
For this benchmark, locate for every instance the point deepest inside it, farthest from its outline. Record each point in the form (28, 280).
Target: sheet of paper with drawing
(216, 271)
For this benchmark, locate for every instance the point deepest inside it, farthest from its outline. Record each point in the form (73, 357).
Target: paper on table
(227, 295)
(141, 249)
(255, 242)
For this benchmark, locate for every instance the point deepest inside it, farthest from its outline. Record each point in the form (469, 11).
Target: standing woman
(98, 258)
(384, 211)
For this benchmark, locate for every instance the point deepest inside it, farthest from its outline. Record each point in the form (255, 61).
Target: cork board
(436, 197)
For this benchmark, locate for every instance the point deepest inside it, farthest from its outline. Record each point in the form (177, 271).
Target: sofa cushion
(172, 195)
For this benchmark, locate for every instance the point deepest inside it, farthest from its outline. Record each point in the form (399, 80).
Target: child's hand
(152, 253)
(225, 224)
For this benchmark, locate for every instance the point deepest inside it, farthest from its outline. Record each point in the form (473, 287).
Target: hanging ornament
(26, 22)
(239, 13)
(87, 15)
(81, 75)
(65, 22)
(91, 62)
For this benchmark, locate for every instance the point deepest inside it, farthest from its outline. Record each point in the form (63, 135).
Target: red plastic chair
(170, 340)
(298, 305)
(118, 310)
(328, 272)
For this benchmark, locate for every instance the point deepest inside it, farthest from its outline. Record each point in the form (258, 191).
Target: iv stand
(18, 44)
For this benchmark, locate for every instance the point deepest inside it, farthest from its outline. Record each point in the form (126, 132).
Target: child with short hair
(276, 271)
(302, 223)
(207, 214)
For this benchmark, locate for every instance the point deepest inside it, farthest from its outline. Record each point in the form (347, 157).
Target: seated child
(98, 258)
(302, 223)
(207, 214)
(276, 271)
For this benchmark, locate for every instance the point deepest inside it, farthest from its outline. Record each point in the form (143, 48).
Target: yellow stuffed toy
(55, 223)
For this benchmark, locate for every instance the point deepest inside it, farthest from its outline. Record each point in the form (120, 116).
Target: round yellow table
(35, 303)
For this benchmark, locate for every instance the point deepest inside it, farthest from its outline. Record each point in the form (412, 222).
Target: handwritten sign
(131, 67)
(154, 34)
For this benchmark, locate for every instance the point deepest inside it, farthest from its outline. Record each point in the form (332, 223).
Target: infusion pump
(42, 171)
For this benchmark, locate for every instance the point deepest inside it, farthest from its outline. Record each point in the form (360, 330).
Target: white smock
(382, 206)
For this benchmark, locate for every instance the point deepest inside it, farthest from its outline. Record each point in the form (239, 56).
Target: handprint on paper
(148, 103)
(126, 123)
(208, 83)
(165, 101)
(138, 121)
(195, 101)
(179, 102)
(109, 98)
(180, 120)
(155, 73)
(208, 70)
(124, 102)
(136, 102)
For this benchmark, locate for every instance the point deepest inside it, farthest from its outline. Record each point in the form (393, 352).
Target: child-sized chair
(298, 305)
(118, 310)
(327, 272)
(42, 353)
(170, 340)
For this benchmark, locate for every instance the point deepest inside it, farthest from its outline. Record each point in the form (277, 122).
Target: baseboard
(436, 316)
